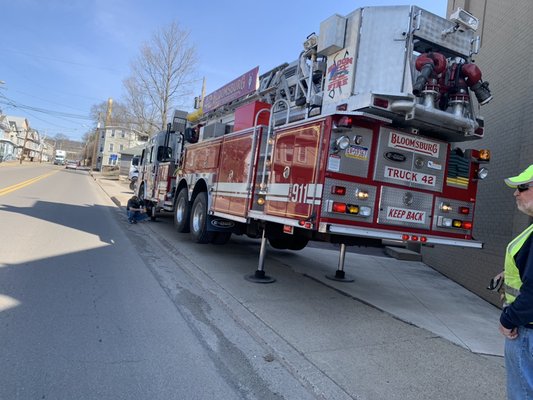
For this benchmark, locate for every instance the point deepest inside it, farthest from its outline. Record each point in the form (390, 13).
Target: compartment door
(293, 189)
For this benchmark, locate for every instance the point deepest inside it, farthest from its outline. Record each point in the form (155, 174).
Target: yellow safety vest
(512, 275)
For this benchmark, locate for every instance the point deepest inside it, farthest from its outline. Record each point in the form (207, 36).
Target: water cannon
(430, 65)
(472, 76)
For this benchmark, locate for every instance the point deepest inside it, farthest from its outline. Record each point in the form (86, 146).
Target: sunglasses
(523, 187)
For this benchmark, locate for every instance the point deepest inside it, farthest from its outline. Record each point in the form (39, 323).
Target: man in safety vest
(516, 320)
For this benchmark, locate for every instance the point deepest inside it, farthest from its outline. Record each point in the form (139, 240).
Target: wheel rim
(197, 218)
(180, 210)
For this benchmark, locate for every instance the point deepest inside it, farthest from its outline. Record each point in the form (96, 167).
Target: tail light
(381, 103)
(352, 209)
(339, 190)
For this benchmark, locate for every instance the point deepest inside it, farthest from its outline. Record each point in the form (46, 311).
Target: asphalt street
(400, 330)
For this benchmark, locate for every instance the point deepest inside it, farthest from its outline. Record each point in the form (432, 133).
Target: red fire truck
(355, 142)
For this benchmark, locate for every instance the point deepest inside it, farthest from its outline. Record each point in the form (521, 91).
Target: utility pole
(95, 144)
(25, 140)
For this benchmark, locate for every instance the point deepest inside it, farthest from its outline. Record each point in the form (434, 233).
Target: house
(112, 142)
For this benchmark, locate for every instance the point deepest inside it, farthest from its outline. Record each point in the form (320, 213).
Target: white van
(134, 167)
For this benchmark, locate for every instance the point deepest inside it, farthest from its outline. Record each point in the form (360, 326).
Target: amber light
(464, 210)
(457, 223)
(339, 207)
(484, 155)
(340, 190)
(352, 209)
(260, 201)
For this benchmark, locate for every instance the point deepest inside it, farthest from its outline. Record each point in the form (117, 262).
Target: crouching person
(136, 211)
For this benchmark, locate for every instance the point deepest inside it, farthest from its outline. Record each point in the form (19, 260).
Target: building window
(112, 133)
(122, 134)
(111, 146)
(121, 147)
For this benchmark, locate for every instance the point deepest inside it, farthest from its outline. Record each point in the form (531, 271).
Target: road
(85, 312)
(92, 307)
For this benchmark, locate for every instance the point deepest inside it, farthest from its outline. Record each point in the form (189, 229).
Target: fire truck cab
(157, 165)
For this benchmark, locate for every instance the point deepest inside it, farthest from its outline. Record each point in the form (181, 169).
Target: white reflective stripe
(231, 187)
(512, 291)
(238, 190)
(279, 189)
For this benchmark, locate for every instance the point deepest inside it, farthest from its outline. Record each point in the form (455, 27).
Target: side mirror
(191, 135)
(164, 153)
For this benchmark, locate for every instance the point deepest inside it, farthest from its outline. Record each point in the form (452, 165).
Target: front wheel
(198, 223)
(182, 212)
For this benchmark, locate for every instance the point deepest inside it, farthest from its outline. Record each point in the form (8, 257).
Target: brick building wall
(506, 60)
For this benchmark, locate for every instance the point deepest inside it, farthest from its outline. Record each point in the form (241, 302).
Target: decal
(393, 156)
(307, 193)
(334, 163)
(434, 165)
(243, 85)
(222, 223)
(414, 144)
(357, 152)
(410, 176)
(405, 215)
(338, 74)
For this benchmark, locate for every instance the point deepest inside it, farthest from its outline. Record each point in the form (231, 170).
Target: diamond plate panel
(403, 207)
(430, 27)
(349, 198)
(354, 160)
(410, 160)
(453, 214)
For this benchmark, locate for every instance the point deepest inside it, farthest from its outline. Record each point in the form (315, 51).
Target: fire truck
(355, 142)
(155, 183)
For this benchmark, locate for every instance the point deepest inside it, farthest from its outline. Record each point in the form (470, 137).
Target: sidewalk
(117, 188)
(410, 291)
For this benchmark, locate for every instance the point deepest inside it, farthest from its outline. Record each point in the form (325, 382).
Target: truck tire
(182, 212)
(291, 243)
(221, 237)
(198, 224)
(278, 243)
(297, 243)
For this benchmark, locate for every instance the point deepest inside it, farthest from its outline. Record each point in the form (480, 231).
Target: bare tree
(161, 77)
(120, 114)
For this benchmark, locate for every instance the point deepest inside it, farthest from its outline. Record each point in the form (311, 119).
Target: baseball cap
(524, 177)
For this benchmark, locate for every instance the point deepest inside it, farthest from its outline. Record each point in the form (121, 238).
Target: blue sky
(60, 57)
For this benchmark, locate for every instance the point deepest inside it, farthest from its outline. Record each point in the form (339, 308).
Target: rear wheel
(297, 243)
(221, 237)
(288, 242)
(198, 223)
(182, 212)
(278, 243)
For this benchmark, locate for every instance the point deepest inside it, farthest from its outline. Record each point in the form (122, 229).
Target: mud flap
(217, 224)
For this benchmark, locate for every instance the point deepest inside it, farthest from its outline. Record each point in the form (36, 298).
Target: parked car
(71, 164)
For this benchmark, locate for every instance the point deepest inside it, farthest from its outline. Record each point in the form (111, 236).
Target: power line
(9, 102)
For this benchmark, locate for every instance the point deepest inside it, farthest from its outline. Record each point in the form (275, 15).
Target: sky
(61, 57)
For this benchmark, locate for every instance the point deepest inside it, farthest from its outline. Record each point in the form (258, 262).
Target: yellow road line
(20, 185)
